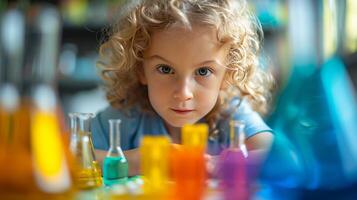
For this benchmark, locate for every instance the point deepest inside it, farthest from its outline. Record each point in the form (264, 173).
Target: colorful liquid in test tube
(188, 164)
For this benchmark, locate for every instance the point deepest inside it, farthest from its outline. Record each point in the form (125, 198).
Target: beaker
(87, 173)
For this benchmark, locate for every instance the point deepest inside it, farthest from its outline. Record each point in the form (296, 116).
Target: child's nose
(183, 91)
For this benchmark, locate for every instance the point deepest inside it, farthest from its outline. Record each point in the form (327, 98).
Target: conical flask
(51, 169)
(87, 172)
(115, 166)
(232, 169)
(16, 175)
(12, 41)
(35, 158)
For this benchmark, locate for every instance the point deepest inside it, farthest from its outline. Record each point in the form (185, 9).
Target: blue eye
(165, 69)
(203, 71)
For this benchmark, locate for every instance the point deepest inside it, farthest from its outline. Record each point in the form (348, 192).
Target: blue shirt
(135, 124)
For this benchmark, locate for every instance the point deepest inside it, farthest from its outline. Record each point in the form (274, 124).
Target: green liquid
(115, 170)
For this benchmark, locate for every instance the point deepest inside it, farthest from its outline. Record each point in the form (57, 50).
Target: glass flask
(87, 172)
(232, 169)
(115, 165)
(36, 165)
(51, 169)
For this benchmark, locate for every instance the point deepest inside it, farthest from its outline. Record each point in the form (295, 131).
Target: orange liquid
(16, 175)
(17, 180)
(188, 172)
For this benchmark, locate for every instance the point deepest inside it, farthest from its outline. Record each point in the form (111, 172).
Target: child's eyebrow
(199, 64)
(210, 61)
(157, 57)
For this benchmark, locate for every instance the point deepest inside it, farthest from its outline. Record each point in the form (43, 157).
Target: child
(168, 63)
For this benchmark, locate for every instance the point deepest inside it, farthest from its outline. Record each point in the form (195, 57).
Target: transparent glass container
(87, 172)
(232, 169)
(33, 163)
(237, 136)
(115, 165)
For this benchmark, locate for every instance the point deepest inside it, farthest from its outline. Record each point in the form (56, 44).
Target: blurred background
(82, 25)
(309, 46)
(293, 32)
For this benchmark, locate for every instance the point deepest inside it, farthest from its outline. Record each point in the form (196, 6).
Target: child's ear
(141, 76)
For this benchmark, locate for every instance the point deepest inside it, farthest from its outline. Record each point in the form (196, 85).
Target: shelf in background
(70, 86)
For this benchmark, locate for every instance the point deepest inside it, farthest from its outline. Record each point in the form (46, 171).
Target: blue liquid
(115, 170)
(312, 131)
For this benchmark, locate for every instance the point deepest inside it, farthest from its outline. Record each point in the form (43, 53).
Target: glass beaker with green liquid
(87, 173)
(115, 165)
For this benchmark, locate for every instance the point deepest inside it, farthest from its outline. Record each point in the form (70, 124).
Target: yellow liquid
(17, 180)
(154, 166)
(89, 178)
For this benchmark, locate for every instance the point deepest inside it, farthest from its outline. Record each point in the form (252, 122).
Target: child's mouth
(182, 111)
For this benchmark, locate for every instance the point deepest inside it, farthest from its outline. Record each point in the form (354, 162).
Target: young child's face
(184, 72)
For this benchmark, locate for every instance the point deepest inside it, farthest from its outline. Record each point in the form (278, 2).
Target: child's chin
(181, 123)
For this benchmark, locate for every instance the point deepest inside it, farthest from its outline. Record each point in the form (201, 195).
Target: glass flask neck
(74, 123)
(85, 122)
(237, 136)
(80, 124)
(114, 132)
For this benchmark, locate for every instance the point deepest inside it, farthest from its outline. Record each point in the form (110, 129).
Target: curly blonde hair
(121, 55)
